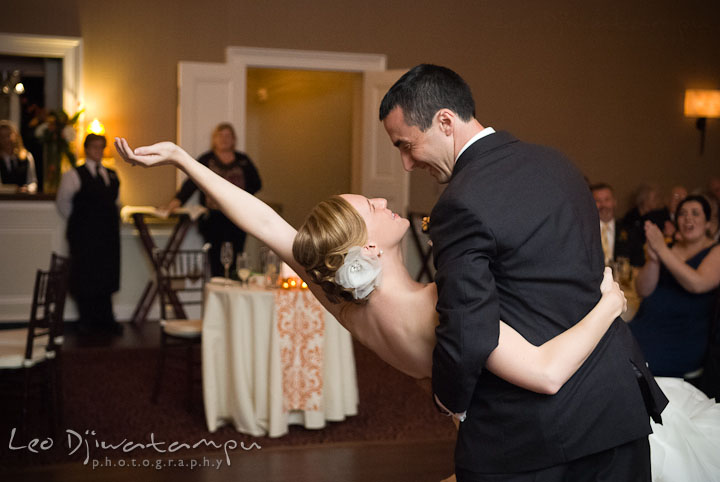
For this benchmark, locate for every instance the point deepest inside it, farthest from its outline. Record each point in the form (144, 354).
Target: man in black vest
(87, 197)
(516, 237)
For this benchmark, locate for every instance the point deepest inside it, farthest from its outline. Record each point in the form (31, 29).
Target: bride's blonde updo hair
(321, 243)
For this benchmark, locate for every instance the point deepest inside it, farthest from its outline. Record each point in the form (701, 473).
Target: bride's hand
(611, 290)
(158, 154)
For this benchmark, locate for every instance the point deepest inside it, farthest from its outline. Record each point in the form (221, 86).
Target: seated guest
(677, 194)
(16, 163)
(714, 230)
(680, 284)
(648, 207)
(714, 187)
(615, 237)
(713, 196)
(87, 197)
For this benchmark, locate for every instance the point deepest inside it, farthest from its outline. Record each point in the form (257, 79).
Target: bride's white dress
(686, 447)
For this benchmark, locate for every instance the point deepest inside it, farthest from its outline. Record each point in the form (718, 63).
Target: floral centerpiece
(57, 133)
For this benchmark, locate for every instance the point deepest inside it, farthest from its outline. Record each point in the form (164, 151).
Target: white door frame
(244, 57)
(232, 76)
(234, 71)
(241, 58)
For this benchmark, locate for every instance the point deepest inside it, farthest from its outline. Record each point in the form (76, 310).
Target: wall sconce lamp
(96, 127)
(703, 104)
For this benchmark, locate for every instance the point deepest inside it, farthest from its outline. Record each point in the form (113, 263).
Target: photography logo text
(96, 449)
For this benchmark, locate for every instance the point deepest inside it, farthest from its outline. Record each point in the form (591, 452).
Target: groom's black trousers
(626, 463)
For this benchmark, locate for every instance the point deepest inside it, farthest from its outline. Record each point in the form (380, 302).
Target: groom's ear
(446, 120)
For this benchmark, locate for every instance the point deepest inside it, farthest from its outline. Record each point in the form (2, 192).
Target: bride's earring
(373, 246)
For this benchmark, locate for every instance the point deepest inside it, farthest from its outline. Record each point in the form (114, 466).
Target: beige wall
(299, 132)
(601, 81)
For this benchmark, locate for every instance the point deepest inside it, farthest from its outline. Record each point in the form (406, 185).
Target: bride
(349, 252)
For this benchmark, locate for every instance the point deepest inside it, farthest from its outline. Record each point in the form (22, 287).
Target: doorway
(210, 93)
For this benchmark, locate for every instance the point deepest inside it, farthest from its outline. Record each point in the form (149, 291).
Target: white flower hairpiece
(360, 272)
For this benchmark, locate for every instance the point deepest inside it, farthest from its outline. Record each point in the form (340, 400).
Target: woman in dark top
(237, 168)
(679, 283)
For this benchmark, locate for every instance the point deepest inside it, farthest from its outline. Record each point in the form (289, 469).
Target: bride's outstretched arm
(546, 368)
(245, 210)
(242, 208)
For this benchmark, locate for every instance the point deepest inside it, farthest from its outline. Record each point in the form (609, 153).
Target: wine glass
(242, 264)
(271, 267)
(624, 271)
(226, 257)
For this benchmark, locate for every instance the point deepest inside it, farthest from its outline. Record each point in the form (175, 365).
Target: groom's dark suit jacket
(516, 237)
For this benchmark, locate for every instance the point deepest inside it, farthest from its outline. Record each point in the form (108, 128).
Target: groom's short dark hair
(424, 90)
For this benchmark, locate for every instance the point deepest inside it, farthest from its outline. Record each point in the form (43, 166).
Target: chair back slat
(59, 263)
(181, 277)
(59, 272)
(59, 269)
(46, 312)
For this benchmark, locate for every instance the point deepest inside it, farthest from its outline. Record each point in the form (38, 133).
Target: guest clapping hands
(680, 284)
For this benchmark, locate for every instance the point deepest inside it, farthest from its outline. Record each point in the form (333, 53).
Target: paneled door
(382, 172)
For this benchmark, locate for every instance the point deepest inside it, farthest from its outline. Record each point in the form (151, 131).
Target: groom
(515, 237)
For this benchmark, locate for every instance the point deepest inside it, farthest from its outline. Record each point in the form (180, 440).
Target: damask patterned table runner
(301, 326)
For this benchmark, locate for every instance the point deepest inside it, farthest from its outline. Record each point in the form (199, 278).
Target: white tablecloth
(268, 361)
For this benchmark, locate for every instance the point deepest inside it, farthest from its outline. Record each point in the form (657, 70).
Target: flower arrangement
(56, 132)
(59, 129)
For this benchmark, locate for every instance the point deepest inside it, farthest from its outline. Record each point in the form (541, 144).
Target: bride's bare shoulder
(427, 293)
(391, 310)
(431, 290)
